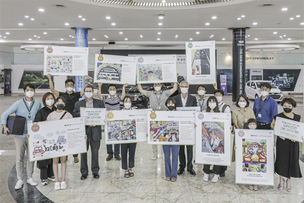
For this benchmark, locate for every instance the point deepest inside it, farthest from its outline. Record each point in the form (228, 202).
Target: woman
(129, 146)
(45, 166)
(242, 114)
(59, 114)
(171, 170)
(287, 153)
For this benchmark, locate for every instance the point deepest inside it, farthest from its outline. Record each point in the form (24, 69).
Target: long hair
(216, 109)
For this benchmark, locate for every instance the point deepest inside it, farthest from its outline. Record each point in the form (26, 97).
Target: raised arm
(123, 91)
(215, 85)
(141, 90)
(99, 91)
(173, 89)
(51, 84)
(86, 82)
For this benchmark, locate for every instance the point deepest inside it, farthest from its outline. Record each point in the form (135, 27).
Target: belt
(263, 123)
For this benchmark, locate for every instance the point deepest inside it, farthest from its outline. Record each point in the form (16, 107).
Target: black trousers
(264, 127)
(46, 171)
(95, 145)
(182, 157)
(217, 169)
(131, 147)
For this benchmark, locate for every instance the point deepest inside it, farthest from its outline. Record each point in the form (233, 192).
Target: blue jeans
(116, 149)
(171, 170)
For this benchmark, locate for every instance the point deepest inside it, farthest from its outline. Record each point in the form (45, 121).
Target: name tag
(260, 115)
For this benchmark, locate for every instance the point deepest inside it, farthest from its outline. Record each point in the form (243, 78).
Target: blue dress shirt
(267, 108)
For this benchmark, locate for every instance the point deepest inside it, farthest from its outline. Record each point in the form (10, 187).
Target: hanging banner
(289, 129)
(223, 83)
(201, 67)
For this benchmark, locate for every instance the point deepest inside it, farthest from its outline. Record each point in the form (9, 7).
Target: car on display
(252, 90)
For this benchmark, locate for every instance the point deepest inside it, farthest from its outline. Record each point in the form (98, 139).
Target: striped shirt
(112, 104)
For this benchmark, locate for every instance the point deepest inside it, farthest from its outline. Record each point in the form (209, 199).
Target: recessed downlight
(275, 33)
(26, 16)
(67, 24)
(120, 33)
(45, 33)
(108, 17)
(41, 10)
(113, 24)
(190, 39)
(176, 36)
(79, 16)
(7, 33)
(83, 19)
(207, 23)
(291, 18)
(20, 24)
(140, 36)
(94, 39)
(223, 39)
(32, 19)
(214, 17)
(160, 24)
(239, 18)
(255, 23)
(284, 9)
(159, 33)
(126, 39)
(197, 33)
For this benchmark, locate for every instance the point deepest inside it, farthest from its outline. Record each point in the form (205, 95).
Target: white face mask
(112, 92)
(184, 90)
(212, 105)
(49, 102)
(88, 94)
(264, 93)
(127, 105)
(219, 99)
(242, 104)
(201, 92)
(69, 89)
(29, 94)
(157, 88)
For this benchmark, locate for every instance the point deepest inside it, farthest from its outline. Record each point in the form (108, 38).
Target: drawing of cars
(38, 150)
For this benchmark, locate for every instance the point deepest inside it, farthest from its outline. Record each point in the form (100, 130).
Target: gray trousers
(21, 148)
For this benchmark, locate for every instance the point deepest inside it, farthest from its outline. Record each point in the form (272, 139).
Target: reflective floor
(148, 184)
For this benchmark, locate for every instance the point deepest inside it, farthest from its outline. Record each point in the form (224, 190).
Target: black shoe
(192, 172)
(222, 174)
(117, 157)
(96, 176)
(109, 157)
(180, 171)
(212, 171)
(83, 177)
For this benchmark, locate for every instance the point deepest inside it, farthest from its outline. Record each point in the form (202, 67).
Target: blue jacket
(20, 109)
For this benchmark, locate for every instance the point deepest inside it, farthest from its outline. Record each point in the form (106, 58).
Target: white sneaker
(19, 184)
(63, 185)
(57, 186)
(206, 177)
(215, 178)
(32, 182)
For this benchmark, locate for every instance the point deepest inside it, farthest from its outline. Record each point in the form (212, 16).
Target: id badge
(260, 115)
(246, 119)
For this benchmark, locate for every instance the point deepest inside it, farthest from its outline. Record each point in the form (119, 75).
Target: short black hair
(201, 86)
(220, 91)
(28, 85)
(266, 84)
(89, 86)
(58, 98)
(238, 99)
(172, 100)
(126, 98)
(112, 85)
(251, 120)
(289, 101)
(69, 80)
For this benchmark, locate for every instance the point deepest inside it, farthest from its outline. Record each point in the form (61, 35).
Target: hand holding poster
(156, 69)
(126, 126)
(171, 128)
(47, 141)
(213, 143)
(94, 116)
(201, 62)
(289, 129)
(254, 157)
(71, 61)
(115, 69)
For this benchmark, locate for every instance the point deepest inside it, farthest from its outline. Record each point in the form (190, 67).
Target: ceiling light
(281, 37)
(45, 33)
(291, 18)
(298, 16)
(4, 37)
(113, 24)
(302, 23)
(83, 19)
(79, 16)
(32, 19)
(197, 33)
(255, 38)
(273, 47)
(20, 24)
(159, 33)
(126, 38)
(160, 23)
(284, 9)
(176, 36)
(223, 39)
(238, 18)
(67, 24)
(26, 16)
(0, 35)
(191, 39)
(38, 37)
(158, 38)
(35, 35)
(211, 36)
(30, 39)
(163, 1)
(72, 37)
(108, 17)
(248, 35)
(161, 16)
(289, 39)
(275, 33)
(284, 35)
(7, 33)
(41, 9)
(93, 39)
(254, 23)
(243, 16)
(141, 36)
(214, 17)
(120, 33)
(207, 23)
(61, 39)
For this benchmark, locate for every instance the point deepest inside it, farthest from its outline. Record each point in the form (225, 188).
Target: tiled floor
(148, 184)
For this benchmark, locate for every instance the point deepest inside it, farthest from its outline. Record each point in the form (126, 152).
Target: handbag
(15, 125)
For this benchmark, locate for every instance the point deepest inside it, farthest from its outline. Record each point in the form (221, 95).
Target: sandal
(281, 183)
(288, 185)
(131, 173)
(127, 174)
(250, 187)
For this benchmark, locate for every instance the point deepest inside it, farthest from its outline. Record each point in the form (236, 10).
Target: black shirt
(70, 100)
(42, 114)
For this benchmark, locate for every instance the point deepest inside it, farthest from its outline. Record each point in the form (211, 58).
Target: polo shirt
(70, 100)
(267, 108)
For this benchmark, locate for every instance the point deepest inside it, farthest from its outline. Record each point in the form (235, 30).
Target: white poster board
(181, 66)
(289, 129)
(94, 116)
(190, 108)
(201, 62)
(254, 157)
(50, 139)
(70, 61)
(171, 127)
(156, 69)
(126, 126)
(213, 138)
(115, 69)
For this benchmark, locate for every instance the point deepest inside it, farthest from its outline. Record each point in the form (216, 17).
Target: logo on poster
(190, 45)
(241, 133)
(153, 115)
(49, 50)
(35, 127)
(110, 115)
(100, 58)
(201, 116)
(140, 60)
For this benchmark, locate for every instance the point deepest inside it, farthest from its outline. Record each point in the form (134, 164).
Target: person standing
(242, 114)
(27, 108)
(223, 107)
(93, 134)
(201, 99)
(157, 100)
(185, 100)
(112, 102)
(70, 97)
(265, 108)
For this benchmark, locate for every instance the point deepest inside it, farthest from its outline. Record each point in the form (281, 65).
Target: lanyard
(201, 105)
(158, 98)
(262, 105)
(29, 109)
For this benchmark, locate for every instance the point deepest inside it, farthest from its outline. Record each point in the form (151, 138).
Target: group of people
(64, 105)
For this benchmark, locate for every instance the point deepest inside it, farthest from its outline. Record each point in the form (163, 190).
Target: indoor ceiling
(21, 22)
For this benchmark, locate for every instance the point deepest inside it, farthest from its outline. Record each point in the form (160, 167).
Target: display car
(253, 90)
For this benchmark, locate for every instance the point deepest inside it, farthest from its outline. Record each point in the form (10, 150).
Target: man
(185, 100)
(157, 100)
(112, 102)
(265, 108)
(70, 97)
(93, 133)
(27, 108)
(201, 99)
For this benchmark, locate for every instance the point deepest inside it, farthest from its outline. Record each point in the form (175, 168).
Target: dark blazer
(191, 100)
(96, 131)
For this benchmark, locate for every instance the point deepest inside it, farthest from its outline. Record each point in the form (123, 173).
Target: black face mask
(171, 108)
(287, 110)
(60, 106)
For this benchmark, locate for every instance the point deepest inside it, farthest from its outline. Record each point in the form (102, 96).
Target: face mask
(29, 94)
(264, 93)
(171, 108)
(242, 104)
(49, 102)
(212, 105)
(219, 99)
(287, 110)
(201, 92)
(88, 94)
(60, 106)
(69, 89)
(252, 126)
(184, 90)
(112, 92)
(157, 89)
(127, 105)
